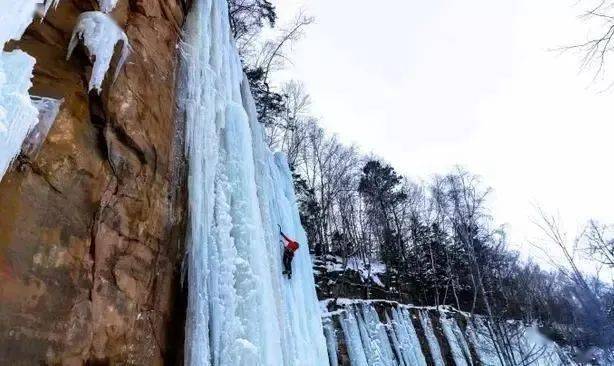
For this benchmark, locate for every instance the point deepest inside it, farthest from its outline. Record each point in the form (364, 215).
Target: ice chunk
(99, 34)
(48, 109)
(107, 6)
(15, 17)
(17, 114)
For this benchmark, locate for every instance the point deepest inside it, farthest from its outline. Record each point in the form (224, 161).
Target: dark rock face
(91, 229)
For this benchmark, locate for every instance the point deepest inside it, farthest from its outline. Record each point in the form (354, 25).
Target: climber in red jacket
(290, 246)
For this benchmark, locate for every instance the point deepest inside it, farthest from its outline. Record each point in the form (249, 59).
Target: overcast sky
(430, 84)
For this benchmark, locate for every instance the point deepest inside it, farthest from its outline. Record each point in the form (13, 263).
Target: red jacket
(290, 244)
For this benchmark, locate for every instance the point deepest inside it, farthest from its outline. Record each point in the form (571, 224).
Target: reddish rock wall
(91, 230)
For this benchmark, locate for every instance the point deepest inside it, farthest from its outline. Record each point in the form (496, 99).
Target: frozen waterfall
(241, 310)
(380, 333)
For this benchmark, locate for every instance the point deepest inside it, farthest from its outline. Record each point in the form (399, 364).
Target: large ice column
(456, 340)
(353, 339)
(375, 337)
(407, 340)
(241, 310)
(17, 113)
(331, 341)
(431, 339)
(369, 341)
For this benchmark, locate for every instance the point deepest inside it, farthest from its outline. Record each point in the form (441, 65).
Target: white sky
(430, 84)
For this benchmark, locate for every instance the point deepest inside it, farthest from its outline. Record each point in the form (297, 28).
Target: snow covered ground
(335, 264)
(241, 310)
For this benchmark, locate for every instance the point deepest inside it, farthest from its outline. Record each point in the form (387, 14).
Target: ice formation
(331, 341)
(107, 6)
(48, 109)
(17, 113)
(388, 337)
(429, 333)
(407, 339)
(99, 34)
(241, 310)
(456, 339)
(370, 341)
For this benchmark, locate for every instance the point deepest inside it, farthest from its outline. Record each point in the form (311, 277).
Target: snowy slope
(241, 310)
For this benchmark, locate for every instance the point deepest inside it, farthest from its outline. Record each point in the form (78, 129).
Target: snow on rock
(99, 34)
(241, 310)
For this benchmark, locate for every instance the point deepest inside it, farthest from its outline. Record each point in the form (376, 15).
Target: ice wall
(369, 341)
(388, 337)
(241, 310)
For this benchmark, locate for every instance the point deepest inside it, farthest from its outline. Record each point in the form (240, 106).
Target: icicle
(458, 345)
(331, 341)
(427, 325)
(407, 338)
(99, 34)
(353, 340)
(48, 5)
(107, 6)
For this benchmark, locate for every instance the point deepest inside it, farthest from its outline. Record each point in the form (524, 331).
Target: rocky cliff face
(91, 229)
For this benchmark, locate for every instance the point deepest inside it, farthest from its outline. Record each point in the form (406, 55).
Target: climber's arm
(285, 237)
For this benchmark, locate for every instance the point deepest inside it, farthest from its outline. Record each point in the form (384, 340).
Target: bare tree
(598, 243)
(596, 50)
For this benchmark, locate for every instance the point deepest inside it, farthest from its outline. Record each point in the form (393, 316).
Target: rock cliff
(91, 228)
